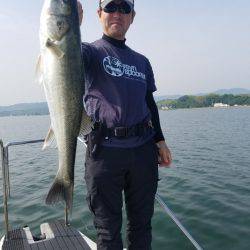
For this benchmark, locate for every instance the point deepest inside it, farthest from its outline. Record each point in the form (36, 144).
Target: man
(127, 143)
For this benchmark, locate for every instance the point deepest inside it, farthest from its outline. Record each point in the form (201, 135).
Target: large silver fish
(61, 72)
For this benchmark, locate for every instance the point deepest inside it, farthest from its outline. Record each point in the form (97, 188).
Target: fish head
(57, 17)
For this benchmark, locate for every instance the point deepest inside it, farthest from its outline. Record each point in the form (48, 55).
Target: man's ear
(133, 16)
(99, 12)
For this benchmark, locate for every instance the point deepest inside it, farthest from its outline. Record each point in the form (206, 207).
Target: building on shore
(220, 105)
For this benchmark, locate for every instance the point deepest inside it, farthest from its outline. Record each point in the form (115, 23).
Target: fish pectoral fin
(55, 48)
(50, 140)
(39, 70)
(86, 125)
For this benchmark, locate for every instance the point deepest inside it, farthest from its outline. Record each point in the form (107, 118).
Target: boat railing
(4, 151)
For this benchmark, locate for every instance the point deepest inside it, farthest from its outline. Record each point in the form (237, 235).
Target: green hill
(25, 109)
(189, 101)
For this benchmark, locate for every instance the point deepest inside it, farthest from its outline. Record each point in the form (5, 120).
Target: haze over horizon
(193, 46)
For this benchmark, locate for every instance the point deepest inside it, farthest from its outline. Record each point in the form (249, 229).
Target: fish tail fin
(61, 191)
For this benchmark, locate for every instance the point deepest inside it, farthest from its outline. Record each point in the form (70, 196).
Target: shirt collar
(117, 43)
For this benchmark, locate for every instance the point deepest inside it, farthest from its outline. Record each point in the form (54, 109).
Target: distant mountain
(191, 101)
(166, 97)
(41, 108)
(25, 109)
(233, 91)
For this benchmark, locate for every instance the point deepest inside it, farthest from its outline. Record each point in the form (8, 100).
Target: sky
(194, 46)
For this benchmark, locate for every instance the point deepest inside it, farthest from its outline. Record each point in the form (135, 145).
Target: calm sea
(208, 186)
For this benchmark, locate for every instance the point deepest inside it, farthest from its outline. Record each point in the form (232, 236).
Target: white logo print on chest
(115, 67)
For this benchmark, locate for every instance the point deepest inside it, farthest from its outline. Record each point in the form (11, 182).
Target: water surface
(207, 187)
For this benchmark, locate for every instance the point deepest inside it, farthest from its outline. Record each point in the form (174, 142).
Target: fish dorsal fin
(39, 70)
(86, 125)
(54, 48)
(50, 140)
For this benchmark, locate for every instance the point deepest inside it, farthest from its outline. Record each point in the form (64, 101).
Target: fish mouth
(59, 9)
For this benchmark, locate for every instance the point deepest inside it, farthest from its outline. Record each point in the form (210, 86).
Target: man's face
(116, 24)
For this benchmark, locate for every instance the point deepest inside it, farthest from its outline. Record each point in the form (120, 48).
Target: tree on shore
(189, 101)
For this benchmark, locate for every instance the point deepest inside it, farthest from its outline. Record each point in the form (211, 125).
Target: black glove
(95, 139)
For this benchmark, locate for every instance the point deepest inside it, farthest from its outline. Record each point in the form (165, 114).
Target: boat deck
(56, 236)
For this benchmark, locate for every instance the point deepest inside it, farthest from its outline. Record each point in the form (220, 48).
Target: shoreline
(238, 106)
(160, 109)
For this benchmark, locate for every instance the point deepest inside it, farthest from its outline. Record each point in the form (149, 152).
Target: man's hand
(80, 12)
(165, 157)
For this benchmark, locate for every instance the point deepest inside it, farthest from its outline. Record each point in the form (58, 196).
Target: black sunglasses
(122, 8)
